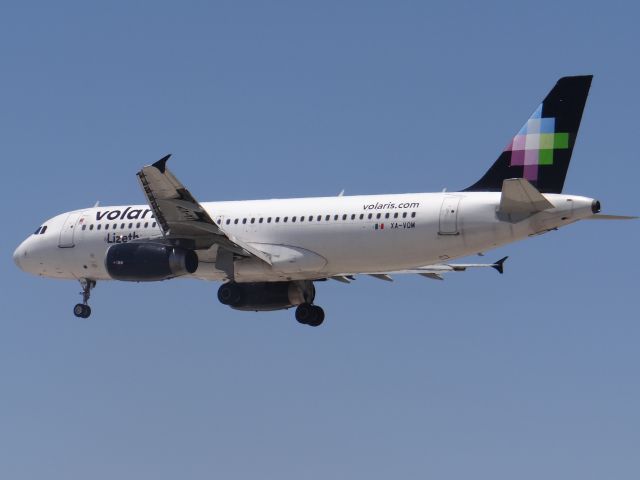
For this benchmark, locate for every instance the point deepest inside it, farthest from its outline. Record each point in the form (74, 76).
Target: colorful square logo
(535, 143)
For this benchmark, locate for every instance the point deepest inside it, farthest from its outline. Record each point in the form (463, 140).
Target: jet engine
(148, 262)
(264, 296)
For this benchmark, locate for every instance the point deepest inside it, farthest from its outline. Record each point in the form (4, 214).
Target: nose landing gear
(83, 310)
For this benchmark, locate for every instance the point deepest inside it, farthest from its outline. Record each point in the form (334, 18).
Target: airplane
(270, 253)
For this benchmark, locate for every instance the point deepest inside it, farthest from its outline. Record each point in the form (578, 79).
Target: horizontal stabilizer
(611, 217)
(519, 196)
(499, 265)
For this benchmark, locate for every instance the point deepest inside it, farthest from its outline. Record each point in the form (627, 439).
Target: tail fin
(540, 152)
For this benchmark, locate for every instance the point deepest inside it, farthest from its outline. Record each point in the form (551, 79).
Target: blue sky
(526, 375)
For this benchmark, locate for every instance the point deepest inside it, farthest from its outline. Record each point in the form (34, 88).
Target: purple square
(530, 172)
(517, 158)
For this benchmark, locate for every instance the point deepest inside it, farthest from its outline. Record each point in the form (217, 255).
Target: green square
(546, 141)
(545, 157)
(561, 140)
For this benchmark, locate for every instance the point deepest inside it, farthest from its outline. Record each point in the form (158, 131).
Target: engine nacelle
(148, 262)
(264, 296)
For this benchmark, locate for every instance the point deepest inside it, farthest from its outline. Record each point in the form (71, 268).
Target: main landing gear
(83, 310)
(308, 314)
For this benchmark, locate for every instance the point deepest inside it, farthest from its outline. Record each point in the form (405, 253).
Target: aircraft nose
(18, 254)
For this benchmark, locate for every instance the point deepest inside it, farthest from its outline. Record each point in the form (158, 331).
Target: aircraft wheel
(318, 317)
(305, 313)
(308, 314)
(82, 311)
(229, 294)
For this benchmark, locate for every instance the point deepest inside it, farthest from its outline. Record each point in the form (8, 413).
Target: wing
(429, 271)
(182, 218)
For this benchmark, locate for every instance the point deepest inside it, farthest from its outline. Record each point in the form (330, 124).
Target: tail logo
(534, 144)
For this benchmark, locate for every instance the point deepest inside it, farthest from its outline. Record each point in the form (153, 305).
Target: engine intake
(148, 262)
(264, 296)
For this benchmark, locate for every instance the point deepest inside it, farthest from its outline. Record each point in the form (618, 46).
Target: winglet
(162, 163)
(499, 265)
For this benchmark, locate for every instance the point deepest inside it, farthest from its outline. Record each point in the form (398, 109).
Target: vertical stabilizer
(541, 151)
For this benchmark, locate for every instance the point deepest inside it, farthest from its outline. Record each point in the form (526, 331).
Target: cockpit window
(44, 229)
(37, 231)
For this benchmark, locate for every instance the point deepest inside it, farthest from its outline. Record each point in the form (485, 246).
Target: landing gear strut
(308, 314)
(83, 310)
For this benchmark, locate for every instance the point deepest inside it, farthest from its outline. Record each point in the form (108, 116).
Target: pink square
(519, 142)
(531, 157)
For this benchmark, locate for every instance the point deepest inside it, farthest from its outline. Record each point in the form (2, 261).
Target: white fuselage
(308, 238)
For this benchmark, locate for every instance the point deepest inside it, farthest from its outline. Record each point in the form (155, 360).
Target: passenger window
(404, 215)
(84, 227)
(91, 227)
(106, 226)
(386, 215)
(302, 219)
(395, 215)
(138, 225)
(285, 219)
(235, 221)
(378, 215)
(319, 218)
(146, 224)
(327, 217)
(253, 220)
(269, 220)
(131, 225)
(277, 219)
(244, 220)
(261, 219)
(413, 214)
(311, 218)
(370, 216)
(344, 217)
(153, 225)
(335, 217)
(228, 221)
(361, 216)
(353, 216)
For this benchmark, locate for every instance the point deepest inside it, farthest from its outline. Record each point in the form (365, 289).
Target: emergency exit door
(67, 233)
(449, 216)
